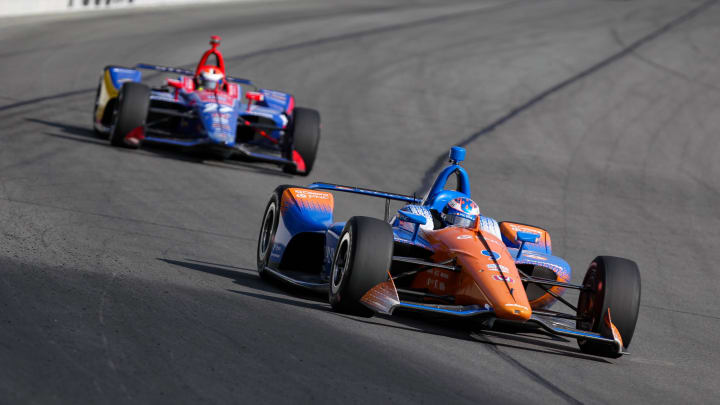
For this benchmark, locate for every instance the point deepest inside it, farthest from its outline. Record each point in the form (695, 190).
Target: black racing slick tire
(362, 260)
(305, 139)
(131, 112)
(268, 228)
(610, 283)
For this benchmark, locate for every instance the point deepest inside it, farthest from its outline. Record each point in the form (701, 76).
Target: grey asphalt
(128, 276)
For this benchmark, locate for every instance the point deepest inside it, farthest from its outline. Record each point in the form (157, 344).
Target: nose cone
(219, 121)
(220, 134)
(499, 281)
(489, 275)
(512, 311)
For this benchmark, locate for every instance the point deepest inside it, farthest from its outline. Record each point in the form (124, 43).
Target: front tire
(362, 260)
(131, 112)
(305, 139)
(268, 228)
(610, 283)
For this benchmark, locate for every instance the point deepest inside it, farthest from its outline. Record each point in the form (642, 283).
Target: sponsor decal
(78, 4)
(494, 242)
(441, 274)
(494, 255)
(310, 194)
(518, 228)
(435, 284)
(209, 107)
(222, 119)
(212, 98)
(277, 95)
(494, 267)
(499, 278)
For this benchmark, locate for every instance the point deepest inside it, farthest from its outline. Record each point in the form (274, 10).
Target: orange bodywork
(510, 230)
(307, 199)
(487, 276)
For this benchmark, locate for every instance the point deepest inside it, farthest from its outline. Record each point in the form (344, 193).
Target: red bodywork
(188, 84)
(214, 43)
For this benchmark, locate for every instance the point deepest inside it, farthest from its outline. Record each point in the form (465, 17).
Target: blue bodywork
(224, 121)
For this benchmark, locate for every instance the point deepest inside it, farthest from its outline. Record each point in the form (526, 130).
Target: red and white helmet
(210, 78)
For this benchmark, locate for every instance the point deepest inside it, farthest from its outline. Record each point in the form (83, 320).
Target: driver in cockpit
(209, 78)
(461, 212)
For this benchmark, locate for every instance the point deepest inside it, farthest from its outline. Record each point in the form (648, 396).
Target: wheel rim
(590, 303)
(266, 233)
(113, 121)
(341, 263)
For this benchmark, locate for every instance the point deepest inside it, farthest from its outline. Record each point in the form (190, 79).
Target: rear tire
(305, 138)
(613, 283)
(362, 260)
(131, 112)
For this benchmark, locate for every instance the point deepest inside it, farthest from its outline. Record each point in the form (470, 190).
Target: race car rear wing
(370, 193)
(185, 72)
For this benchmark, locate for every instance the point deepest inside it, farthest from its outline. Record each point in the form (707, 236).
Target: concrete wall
(23, 7)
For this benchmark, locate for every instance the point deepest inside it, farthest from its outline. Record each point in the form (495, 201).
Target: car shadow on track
(471, 330)
(87, 135)
(249, 278)
(503, 336)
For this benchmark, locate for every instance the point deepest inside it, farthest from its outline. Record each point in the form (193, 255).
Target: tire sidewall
(367, 260)
(337, 290)
(305, 137)
(266, 238)
(263, 258)
(615, 284)
(131, 112)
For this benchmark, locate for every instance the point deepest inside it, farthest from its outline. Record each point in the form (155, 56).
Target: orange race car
(440, 255)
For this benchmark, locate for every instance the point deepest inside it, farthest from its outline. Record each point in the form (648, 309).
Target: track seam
(373, 31)
(532, 374)
(44, 98)
(298, 45)
(630, 49)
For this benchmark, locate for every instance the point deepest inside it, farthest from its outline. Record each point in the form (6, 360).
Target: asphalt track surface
(129, 276)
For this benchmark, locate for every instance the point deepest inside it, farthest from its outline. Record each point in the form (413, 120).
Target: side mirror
(523, 238)
(413, 218)
(175, 83)
(254, 96)
(527, 237)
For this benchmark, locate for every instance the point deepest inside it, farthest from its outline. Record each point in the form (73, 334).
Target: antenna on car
(457, 155)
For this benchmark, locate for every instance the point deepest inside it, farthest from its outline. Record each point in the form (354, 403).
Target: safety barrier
(26, 7)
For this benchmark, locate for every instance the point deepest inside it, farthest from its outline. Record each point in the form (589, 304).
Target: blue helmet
(461, 212)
